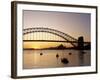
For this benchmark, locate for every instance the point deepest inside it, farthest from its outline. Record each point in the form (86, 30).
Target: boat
(57, 55)
(64, 61)
(70, 53)
(41, 53)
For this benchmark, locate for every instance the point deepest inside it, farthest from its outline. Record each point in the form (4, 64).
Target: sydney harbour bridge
(51, 35)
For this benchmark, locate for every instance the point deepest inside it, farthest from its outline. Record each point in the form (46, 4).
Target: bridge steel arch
(65, 36)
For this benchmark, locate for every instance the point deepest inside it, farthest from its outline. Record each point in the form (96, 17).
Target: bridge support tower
(80, 43)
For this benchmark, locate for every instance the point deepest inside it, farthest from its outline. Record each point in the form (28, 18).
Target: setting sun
(40, 45)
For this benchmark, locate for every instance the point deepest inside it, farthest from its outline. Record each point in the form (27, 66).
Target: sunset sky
(74, 24)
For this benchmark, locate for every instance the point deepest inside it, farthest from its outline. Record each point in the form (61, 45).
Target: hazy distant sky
(74, 24)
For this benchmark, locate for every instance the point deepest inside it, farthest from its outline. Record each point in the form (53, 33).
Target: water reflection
(81, 57)
(55, 58)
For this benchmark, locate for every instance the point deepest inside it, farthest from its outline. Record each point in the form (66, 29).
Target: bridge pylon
(80, 43)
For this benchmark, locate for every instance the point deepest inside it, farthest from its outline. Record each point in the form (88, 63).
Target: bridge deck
(52, 41)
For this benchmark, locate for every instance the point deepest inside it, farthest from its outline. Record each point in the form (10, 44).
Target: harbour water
(52, 58)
